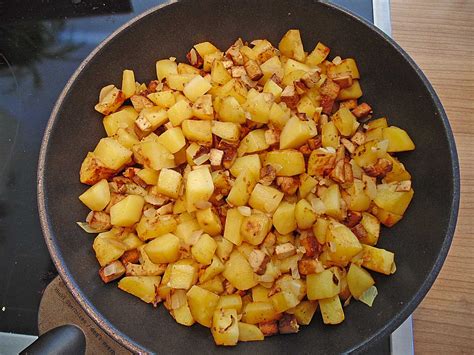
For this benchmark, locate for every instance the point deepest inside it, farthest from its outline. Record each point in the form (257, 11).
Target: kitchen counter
(439, 36)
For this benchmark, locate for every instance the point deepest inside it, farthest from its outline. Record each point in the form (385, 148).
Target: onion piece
(369, 295)
(245, 211)
(88, 229)
(178, 299)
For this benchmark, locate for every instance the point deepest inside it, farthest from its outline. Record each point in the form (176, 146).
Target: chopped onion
(394, 268)
(245, 210)
(114, 268)
(166, 209)
(88, 229)
(318, 205)
(202, 205)
(265, 278)
(149, 213)
(368, 296)
(346, 303)
(194, 237)
(382, 147)
(201, 159)
(155, 200)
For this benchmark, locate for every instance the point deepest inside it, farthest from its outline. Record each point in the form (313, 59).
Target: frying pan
(393, 85)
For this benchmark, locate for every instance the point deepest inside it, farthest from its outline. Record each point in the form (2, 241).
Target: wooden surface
(439, 36)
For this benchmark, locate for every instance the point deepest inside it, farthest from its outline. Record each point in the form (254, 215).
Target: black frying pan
(392, 84)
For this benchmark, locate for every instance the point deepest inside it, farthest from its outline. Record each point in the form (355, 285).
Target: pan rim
(131, 345)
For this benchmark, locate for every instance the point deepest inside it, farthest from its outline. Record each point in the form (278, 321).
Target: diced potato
(279, 115)
(241, 190)
(224, 248)
(320, 228)
(398, 173)
(231, 111)
(126, 137)
(214, 285)
(378, 123)
(249, 332)
(304, 214)
(163, 249)
(97, 196)
(331, 310)
(377, 259)
(152, 227)
(219, 73)
(323, 285)
(154, 155)
(150, 118)
(306, 105)
(202, 108)
(110, 99)
(233, 224)
(391, 200)
(258, 312)
(318, 55)
(305, 311)
(169, 183)
(107, 249)
(183, 275)
(205, 48)
(360, 201)
(199, 187)
(212, 270)
(332, 201)
(165, 67)
(239, 272)
(230, 302)
(291, 46)
(253, 142)
(180, 112)
(142, 287)
(296, 132)
(270, 67)
(319, 161)
(358, 280)
(128, 83)
(288, 162)
(347, 66)
(343, 244)
(172, 139)
(250, 162)
(197, 87)
(209, 221)
(197, 131)
(398, 139)
(112, 154)
(372, 226)
(307, 184)
(259, 107)
(131, 241)
(204, 249)
(121, 119)
(178, 82)
(254, 228)
(366, 154)
(260, 294)
(226, 130)
(283, 301)
(388, 219)
(284, 218)
(273, 88)
(265, 198)
(183, 315)
(352, 92)
(345, 122)
(330, 135)
(149, 176)
(127, 212)
(225, 327)
(164, 99)
(202, 304)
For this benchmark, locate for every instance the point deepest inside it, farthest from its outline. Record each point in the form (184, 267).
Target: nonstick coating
(393, 86)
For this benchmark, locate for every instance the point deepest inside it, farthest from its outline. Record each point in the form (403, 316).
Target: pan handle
(66, 339)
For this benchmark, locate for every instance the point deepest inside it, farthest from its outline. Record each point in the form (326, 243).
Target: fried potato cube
(358, 280)
(225, 327)
(253, 142)
(154, 155)
(199, 187)
(239, 272)
(254, 228)
(127, 212)
(183, 315)
(197, 87)
(305, 311)
(259, 107)
(205, 48)
(121, 119)
(169, 183)
(273, 88)
(258, 312)
(249, 332)
(344, 245)
(291, 46)
(287, 162)
(352, 92)
(198, 131)
(330, 135)
(331, 310)
(219, 74)
(202, 304)
(165, 68)
(110, 99)
(212, 270)
(332, 201)
(142, 287)
(172, 139)
(250, 162)
(178, 82)
(282, 301)
(209, 221)
(398, 139)
(163, 99)
(377, 259)
(318, 55)
(230, 302)
(242, 189)
(323, 285)
(112, 154)
(163, 249)
(107, 249)
(305, 215)
(284, 219)
(347, 66)
(204, 249)
(345, 122)
(231, 111)
(128, 83)
(372, 227)
(226, 130)
(97, 196)
(183, 275)
(279, 115)
(265, 198)
(233, 225)
(152, 227)
(180, 112)
(391, 200)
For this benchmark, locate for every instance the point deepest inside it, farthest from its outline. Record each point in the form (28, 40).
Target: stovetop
(41, 45)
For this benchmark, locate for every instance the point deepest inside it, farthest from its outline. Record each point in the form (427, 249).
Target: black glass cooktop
(41, 45)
